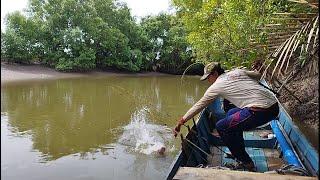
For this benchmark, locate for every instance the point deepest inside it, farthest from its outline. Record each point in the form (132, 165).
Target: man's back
(242, 90)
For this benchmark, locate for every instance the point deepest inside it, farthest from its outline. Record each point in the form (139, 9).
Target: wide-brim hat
(208, 69)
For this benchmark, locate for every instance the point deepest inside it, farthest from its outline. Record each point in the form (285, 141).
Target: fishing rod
(276, 93)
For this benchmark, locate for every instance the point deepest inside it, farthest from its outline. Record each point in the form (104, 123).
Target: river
(93, 127)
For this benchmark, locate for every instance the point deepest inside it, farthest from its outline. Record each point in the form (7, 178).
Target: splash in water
(143, 137)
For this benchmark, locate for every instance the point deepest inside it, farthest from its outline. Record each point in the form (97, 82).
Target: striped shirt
(237, 86)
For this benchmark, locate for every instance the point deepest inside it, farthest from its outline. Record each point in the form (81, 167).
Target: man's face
(212, 77)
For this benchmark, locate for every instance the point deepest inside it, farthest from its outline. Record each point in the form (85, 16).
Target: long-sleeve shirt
(240, 87)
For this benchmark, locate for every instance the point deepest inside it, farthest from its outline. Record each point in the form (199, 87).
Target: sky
(8, 6)
(139, 8)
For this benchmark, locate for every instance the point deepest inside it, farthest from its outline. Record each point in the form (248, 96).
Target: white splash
(144, 137)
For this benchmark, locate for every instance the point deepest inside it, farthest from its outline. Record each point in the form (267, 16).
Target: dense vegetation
(77, 35)
(222, 30)
(73, 35)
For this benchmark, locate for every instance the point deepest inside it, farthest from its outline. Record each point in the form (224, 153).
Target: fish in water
(161, 151)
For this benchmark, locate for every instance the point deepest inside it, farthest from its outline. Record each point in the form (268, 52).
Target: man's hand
(177, 128)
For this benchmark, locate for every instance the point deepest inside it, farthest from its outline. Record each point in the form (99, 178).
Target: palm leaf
(311, 32)
(279, 59)
(296, 42)
(290, 42)
(316, 38)
(304, 29)
(285, 51)
(275, 54)
(272, 59)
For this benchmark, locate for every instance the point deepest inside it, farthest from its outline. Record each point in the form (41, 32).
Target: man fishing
(255, 106)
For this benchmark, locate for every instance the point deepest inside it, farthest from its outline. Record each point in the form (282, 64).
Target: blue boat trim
(286, 149)
(307, 154)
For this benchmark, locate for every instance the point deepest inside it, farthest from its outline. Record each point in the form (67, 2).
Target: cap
(209, 68)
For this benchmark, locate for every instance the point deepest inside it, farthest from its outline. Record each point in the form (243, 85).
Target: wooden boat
(282, 150)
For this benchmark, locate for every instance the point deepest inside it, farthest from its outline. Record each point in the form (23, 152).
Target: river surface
(93, 127)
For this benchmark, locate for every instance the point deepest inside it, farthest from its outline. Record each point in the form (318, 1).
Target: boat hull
(286, 145)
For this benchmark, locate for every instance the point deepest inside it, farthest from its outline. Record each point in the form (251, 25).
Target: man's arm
(207, 98)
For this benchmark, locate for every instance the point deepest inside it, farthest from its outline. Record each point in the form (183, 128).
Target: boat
(277, 148)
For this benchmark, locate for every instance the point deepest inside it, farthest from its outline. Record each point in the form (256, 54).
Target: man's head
(212, 71)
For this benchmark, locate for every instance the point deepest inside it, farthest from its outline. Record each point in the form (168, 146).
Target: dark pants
(238, 120)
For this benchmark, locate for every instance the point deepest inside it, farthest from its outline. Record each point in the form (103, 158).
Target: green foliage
(15, 48)
(83, 62)
(221, 30)
(170, 51)
(73, 35)
(77, 35)
(2, 45)
(18, 41)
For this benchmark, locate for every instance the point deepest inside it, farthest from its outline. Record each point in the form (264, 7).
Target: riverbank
(18, 72)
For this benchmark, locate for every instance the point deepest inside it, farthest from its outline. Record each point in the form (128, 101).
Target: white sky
(8, 6)
(141, 8)
(138, 8)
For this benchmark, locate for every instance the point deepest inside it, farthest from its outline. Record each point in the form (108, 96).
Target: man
(255, 106)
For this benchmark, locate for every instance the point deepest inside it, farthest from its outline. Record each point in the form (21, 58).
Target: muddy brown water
(93, 127)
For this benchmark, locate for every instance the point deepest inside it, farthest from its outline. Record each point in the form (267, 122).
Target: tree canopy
(73, 35)
(77, 35)
(221, 30)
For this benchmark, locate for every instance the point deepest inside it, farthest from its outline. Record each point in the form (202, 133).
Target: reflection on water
(98, 128)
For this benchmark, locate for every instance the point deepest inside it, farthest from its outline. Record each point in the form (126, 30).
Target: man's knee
(232, 111)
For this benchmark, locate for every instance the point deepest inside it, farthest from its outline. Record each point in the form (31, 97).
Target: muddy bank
(17, 73)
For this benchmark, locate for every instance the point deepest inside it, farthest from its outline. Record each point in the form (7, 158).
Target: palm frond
(295, 45)
(302, 40)
(290, 43)
(316, 38)
(286, 47)
(311, 32)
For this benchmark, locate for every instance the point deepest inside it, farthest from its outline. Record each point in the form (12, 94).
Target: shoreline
(17, 72)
